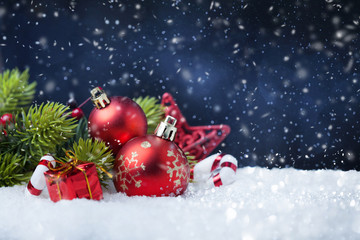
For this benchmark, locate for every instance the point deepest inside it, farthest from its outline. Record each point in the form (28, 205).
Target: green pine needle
(191, 159)
(11, 170)
(97, 152)
(81, 131)
(15, 91)
(43, 128)
(153, 110)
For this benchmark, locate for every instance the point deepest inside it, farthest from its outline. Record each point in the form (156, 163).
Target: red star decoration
(199, 141)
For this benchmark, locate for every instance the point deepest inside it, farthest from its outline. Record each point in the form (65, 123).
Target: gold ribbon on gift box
(68, 166)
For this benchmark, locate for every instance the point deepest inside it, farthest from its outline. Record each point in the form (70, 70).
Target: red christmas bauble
(116, 121)
(151, 166)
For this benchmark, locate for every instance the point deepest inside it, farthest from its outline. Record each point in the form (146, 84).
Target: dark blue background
(282, 74)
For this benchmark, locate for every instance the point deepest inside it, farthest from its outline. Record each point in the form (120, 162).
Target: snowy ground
(261, 204)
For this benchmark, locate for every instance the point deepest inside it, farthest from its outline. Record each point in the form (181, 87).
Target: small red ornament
(199, 141)
(116, 120)
(72, 103)
(77, 113)
(7, 117)
(152, 165)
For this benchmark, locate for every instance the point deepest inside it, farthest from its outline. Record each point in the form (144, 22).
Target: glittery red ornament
(152, 165)
(116, 120)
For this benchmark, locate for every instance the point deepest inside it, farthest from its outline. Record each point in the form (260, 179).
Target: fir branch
(11, 170)
(153, 110)
(15, 91)
(191, 159)
(97, 152)
(8, 141)
(80, 132)
(40, 131)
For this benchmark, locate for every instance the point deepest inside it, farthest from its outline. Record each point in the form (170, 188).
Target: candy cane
(226, 174)
(215, 170)
(37, 182)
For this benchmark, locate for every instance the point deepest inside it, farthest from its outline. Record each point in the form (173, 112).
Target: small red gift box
(75, 179)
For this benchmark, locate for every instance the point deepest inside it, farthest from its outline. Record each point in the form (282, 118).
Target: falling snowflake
(180, 170)
(126, 173)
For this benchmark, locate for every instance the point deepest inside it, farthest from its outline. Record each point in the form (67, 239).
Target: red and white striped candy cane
(216, 170)
(225, 173)
(37, 181)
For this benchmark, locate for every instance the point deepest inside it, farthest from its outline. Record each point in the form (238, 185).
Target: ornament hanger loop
(99, 98)
(170, 120)
(167, 129)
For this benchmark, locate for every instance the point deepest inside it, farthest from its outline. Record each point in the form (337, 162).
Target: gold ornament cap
(166, 129)
(99, 98)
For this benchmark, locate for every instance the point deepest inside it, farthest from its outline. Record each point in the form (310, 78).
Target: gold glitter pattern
(126, 174)
(179, 170)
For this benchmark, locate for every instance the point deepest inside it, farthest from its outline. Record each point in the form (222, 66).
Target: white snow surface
(260, 204)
